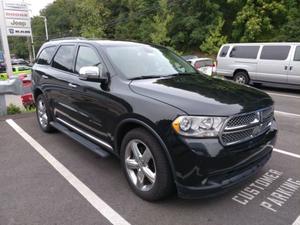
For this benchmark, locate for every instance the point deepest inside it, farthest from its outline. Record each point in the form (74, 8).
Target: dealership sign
(17, 23)
(17, 19)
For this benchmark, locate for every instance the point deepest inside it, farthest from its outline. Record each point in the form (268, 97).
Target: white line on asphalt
(283, 95)
(297, 221)
(286, 153)
(87, 193)
(287, 114)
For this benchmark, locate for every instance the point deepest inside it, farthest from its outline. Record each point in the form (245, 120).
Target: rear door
(62, 77)
(294, 68)
(273, 64)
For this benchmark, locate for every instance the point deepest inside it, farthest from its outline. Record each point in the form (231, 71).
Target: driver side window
(86, 57)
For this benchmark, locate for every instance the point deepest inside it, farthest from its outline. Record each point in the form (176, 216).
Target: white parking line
(286, 153)
(87, 193)
(297, 221)
(283, 95)
(287, 114)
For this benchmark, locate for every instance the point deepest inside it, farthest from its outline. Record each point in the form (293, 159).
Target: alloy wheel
(42, 113)
(140, 165)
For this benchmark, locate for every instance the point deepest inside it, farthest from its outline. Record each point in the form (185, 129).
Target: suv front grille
(244, 127)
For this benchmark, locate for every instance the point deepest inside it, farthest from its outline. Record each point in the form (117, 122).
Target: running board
(81, 140)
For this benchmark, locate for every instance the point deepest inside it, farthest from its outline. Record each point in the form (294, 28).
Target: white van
(275, 64)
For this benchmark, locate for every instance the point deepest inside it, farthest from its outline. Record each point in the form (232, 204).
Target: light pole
(46, 26)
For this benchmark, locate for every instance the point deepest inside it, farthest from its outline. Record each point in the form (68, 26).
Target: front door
(89, 100)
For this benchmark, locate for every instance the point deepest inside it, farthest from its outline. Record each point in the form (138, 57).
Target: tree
(160, 33)
(91, 15)
(215, 39)
(258, 20)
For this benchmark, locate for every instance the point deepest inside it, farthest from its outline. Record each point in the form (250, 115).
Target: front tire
(241, 78)
(145, 165)
(43, 114)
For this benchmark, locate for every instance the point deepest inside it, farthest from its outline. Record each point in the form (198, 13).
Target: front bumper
(206, 168)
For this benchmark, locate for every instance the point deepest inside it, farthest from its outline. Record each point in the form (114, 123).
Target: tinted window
(297, 54)
(86, 57)
(275, 52)
(245, 52)
(45, 56)
(203, 63)
(63, 59)
(224, 51)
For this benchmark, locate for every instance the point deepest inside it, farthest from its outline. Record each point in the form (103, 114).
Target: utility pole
(5, 40)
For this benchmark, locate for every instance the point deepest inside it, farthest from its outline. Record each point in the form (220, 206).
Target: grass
(13, 109)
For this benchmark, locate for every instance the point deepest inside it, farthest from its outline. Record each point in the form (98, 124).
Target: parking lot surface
(32, 191)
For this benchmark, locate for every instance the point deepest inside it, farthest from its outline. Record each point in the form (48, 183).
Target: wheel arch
(36, 93)
(131, 123)
(240, 70)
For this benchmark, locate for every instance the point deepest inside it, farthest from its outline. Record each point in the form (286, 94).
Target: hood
(202, 95)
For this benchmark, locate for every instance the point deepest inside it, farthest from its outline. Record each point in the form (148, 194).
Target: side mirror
(90, 73)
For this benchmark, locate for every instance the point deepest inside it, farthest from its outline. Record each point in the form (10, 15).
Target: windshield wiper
(144, 77)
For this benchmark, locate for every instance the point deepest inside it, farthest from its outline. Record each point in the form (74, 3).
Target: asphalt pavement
(78, 187)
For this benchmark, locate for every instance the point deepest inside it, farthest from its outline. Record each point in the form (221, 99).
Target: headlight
(198, 126)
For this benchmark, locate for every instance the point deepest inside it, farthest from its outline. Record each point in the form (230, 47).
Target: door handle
(45, 76)
(285, 67)
(291, 67)
(72, 85)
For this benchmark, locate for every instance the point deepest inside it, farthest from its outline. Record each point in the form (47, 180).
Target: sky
(37, 5)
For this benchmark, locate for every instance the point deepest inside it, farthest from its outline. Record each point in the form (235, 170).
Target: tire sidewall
(244, 74)
(163, 174)
(47, 128)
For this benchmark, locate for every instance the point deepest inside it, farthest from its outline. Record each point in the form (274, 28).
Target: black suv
(171, 127)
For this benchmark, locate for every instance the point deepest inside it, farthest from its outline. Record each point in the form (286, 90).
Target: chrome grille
(244, 127)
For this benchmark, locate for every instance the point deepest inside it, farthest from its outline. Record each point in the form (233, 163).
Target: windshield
(147, 61)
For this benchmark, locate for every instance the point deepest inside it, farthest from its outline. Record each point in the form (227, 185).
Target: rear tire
(145, 165)
(43, 114)
(241, 78)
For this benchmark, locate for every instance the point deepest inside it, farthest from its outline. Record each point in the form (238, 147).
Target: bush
(13, 109)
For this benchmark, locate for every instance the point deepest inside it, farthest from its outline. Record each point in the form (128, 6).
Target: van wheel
(241, 78)
(145, 165)
(43, 115)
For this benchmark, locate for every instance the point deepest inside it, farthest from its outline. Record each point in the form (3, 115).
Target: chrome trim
(86, 134)
(259, 124)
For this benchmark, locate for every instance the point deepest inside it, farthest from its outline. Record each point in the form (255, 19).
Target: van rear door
(273, 63)
(294, 68)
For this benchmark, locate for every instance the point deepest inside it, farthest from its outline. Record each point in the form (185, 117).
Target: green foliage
(13, 109)
(160, 24)
(258, 20)
(215, 39)
(180, 24)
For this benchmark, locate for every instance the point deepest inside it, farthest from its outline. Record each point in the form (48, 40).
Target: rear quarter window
(244, 52)
(275, 52)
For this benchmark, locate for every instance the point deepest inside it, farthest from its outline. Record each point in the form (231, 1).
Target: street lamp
(46, 27)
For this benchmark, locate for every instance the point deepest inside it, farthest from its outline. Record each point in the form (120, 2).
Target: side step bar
(81, 140)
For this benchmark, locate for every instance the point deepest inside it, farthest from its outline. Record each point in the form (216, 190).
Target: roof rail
(68, 38)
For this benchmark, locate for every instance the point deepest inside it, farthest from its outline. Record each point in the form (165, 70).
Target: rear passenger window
(224, 51)
(275, 52)
(45, 56)
(86, 57)
(297, 54)
(245, 52)
(63, 59)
